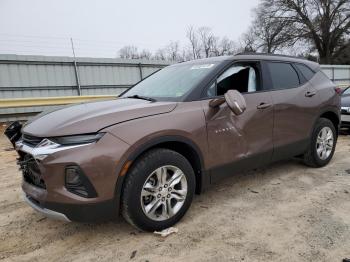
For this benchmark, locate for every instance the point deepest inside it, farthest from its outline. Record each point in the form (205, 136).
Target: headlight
(77, 139)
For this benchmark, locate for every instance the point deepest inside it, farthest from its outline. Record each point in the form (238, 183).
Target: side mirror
(235, 102)
(216, 102)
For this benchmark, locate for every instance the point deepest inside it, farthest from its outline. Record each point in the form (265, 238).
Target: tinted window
(346, 91)
(241, 77)
(283, 75)
(307, 72)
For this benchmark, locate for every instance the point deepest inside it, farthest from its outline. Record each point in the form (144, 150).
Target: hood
(345, 100)
(93, 116)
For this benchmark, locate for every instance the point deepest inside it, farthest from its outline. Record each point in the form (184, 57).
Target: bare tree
(128, 52)
(203, 43)
(160, 54)
(186, 54)
(268, 33)
(249, 42)
(325, 24)
(145, 54)
(223, 46)
(207, 40)
(342, 56)
(194, 42)
(173, 51)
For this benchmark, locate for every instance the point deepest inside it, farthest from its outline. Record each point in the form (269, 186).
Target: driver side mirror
(235, 101)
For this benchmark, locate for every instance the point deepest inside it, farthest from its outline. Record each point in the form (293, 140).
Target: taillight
(338, 90)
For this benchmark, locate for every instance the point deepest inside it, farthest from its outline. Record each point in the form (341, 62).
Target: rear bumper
(345, 120)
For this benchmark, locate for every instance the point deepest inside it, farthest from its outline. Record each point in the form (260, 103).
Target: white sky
(101, 28)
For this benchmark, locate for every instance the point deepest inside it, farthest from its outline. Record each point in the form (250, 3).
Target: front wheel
(322, 144)
(158, 190)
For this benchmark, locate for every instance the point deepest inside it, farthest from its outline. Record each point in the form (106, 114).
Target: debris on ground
(166, 232)
(253, 191)
(133, 254)
(41, 219)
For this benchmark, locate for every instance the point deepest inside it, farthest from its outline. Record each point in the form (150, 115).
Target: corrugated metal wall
(42, 76)
(340, 74)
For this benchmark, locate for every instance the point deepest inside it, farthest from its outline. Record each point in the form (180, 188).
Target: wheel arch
(183, 146)
(332, 114)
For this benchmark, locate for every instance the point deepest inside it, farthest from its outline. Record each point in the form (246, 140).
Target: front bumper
(85, 213)
(100, 163)
(46, 212)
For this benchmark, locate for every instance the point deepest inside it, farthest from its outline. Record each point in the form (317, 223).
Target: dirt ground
(286, 212)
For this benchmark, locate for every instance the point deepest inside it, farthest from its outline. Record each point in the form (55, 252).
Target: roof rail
(269, 54)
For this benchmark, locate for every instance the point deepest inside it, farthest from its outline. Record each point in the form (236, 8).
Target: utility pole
(76, 68)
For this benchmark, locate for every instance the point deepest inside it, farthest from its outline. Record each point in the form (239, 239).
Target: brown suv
(147, 152)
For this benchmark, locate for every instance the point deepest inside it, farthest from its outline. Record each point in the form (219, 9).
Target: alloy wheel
(164, 193)
(324, 143)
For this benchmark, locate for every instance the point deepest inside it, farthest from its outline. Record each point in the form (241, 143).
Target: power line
(108, 42)
(54, 45)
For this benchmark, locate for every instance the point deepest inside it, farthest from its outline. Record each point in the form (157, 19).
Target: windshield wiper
(142, 97)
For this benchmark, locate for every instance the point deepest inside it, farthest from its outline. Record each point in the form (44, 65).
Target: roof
(276, 57)
(257, 56)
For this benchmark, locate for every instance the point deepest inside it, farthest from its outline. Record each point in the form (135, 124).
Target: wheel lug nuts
(160, 189)
(165, 185)
(163, 198)
(169, 189)
(168, 196)
(159, 196)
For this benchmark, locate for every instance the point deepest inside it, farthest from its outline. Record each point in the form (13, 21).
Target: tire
(312, 157)
(143, 178)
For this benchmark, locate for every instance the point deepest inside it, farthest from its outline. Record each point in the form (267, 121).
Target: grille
(31, 171)
(31, 140)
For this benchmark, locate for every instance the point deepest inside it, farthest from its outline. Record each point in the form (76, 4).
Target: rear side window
(306, 71)
(346, 91)
(283, 75)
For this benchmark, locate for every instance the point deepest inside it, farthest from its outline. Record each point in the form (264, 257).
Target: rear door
(295, 100)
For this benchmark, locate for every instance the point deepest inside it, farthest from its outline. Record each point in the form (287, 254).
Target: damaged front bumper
(46, 212)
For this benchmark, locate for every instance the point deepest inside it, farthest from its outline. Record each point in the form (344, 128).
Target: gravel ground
(286, 212)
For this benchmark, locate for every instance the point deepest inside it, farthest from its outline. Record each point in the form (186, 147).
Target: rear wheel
(322, 144)
(158, 190)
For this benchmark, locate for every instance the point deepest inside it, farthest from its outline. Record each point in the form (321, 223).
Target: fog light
(72, 176)
(77, 183)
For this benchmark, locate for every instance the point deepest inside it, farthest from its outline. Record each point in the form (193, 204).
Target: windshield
(172, 82)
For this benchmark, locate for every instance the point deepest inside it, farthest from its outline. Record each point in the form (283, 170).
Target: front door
(245, 141)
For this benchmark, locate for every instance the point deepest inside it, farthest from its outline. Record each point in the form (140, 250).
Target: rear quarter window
(305, 71)
(283, 75)
(347, 91)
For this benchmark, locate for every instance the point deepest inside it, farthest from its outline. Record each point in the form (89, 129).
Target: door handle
(310, 93)
(263, 105)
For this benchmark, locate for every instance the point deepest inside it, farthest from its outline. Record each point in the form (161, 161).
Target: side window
(241, 77)
(306, 71)
(346, 91)
(283, 75)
